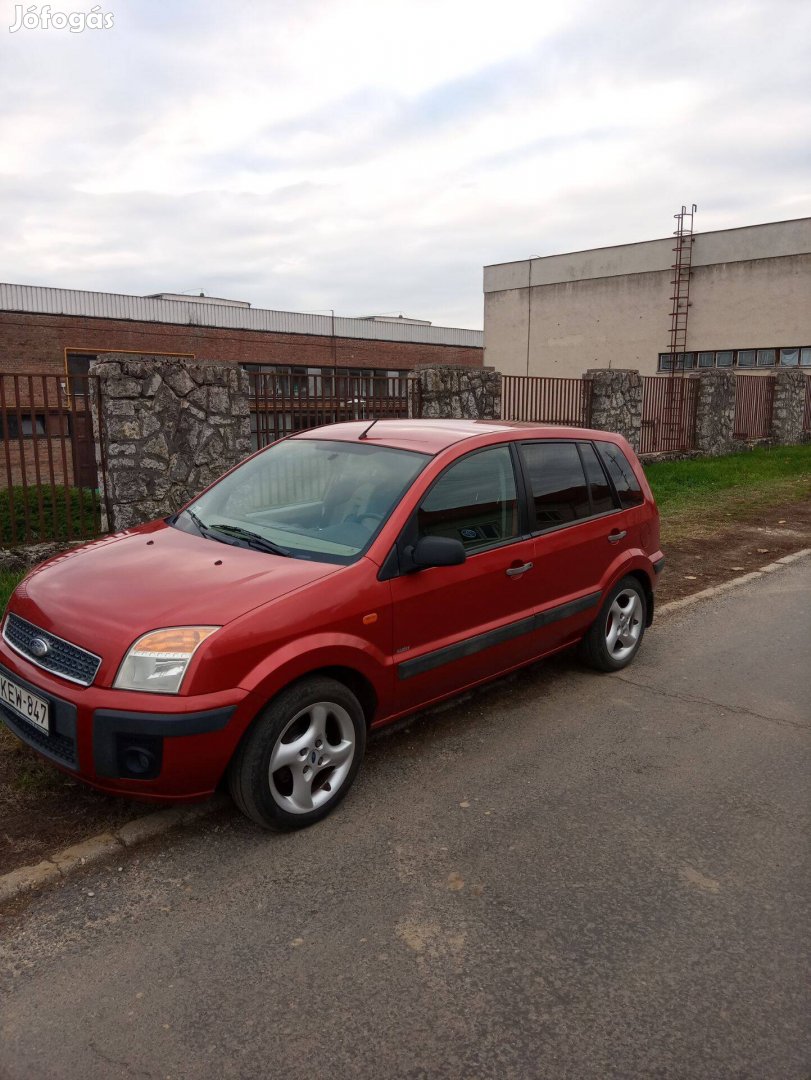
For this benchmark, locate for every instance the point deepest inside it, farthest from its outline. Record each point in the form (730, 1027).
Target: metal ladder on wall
(673, 434)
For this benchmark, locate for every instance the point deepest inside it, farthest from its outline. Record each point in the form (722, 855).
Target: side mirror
(437, 551)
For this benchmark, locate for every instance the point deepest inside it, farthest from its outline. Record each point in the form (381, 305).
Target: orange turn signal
(179, 641)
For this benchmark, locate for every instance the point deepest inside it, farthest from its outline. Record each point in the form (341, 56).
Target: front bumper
(145, 746)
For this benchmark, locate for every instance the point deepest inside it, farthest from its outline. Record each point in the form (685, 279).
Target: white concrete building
(750, 305)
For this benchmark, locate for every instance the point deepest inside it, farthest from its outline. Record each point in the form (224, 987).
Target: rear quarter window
(622, 475)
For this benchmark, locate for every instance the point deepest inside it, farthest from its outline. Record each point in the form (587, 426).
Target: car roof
(433, 436)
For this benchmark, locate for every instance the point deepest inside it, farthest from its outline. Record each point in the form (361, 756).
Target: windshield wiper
(201, 527)
(252, 539)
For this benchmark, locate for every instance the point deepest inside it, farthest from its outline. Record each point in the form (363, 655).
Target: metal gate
(543, 399)
(50, 483)
(282, 403)
(668, 413)
(754, 402)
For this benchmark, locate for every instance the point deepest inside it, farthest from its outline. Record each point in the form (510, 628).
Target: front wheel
(614, 637)
(301, 756)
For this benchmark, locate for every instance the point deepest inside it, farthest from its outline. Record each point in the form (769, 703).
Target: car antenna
(365, 433)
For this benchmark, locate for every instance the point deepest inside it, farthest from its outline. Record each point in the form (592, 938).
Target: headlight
(158, 661)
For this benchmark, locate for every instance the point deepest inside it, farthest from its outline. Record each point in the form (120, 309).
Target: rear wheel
(301, 756)
(616, 634)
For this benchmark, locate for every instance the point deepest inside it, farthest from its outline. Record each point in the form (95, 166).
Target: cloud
(331, 153)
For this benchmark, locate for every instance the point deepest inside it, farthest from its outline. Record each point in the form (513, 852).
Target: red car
(338, 580)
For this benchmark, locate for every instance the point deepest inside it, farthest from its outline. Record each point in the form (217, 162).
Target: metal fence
(546, 400)
(668, 414)
(48, 455)
(754, 401)
(283, 403)
(807, 411)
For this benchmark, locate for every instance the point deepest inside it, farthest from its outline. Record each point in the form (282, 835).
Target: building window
(742, 358)
(684, 361)
(11, 426)
(323, 381)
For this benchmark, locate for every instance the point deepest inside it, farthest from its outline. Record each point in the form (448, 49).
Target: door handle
(517, 571)
(615, 537)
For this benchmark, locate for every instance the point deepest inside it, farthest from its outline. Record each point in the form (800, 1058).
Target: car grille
(62, 658)
(56, 745)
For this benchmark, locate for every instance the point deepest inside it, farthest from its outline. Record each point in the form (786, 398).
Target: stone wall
(169, 428)
(616, 402)
(715, 411)
(789, 406)
(458, 392)
(19, 560)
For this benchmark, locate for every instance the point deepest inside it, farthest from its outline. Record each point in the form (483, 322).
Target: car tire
(614, 637)
(314, 732)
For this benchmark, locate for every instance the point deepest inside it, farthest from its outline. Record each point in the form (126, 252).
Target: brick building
(61, 330)
(307, 369)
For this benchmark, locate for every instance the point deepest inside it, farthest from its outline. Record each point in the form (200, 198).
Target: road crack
(127, 1066)
(693, 699)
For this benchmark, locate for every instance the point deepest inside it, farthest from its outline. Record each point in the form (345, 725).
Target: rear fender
(632, 563)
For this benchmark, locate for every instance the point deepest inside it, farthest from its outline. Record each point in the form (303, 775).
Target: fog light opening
(139, 756)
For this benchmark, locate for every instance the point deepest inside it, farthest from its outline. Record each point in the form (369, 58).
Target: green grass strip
(757, 478)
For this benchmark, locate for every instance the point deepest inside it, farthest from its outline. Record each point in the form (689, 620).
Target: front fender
(303, 656)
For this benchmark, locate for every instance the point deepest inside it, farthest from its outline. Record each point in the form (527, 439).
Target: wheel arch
(353, 680)
(647, 585)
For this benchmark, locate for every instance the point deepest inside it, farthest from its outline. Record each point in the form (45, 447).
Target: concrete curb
(107, 844)
(102, 847)
(733, 583)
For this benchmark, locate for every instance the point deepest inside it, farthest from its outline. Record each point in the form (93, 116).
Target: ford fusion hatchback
(338, 580)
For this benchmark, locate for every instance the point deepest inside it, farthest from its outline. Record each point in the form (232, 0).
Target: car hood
(104, 595)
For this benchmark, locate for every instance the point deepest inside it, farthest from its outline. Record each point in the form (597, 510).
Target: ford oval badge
(40, 647)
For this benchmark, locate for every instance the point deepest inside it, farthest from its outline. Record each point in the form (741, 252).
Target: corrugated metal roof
(45, 301)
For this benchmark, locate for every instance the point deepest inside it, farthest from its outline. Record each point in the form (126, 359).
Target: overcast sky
(373, 156)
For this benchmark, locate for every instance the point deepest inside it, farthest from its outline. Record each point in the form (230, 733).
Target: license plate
(27, 705)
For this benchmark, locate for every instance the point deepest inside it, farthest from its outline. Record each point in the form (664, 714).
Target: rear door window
(621, 473)
(557, 484)
(602, 497)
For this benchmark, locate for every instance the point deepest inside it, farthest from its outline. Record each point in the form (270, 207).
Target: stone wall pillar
(789, 406)
(449, 392)
(616, 402)
(715, 411)
(168, 428)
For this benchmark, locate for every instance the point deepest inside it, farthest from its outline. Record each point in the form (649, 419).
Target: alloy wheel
(312, 757)
(623, 627)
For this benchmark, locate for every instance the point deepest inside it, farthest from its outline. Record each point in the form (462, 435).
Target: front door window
(474, 501)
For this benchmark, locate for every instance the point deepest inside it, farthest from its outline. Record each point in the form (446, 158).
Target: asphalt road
(566, 876)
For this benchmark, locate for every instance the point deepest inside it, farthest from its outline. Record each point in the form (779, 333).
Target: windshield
(308, 498)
